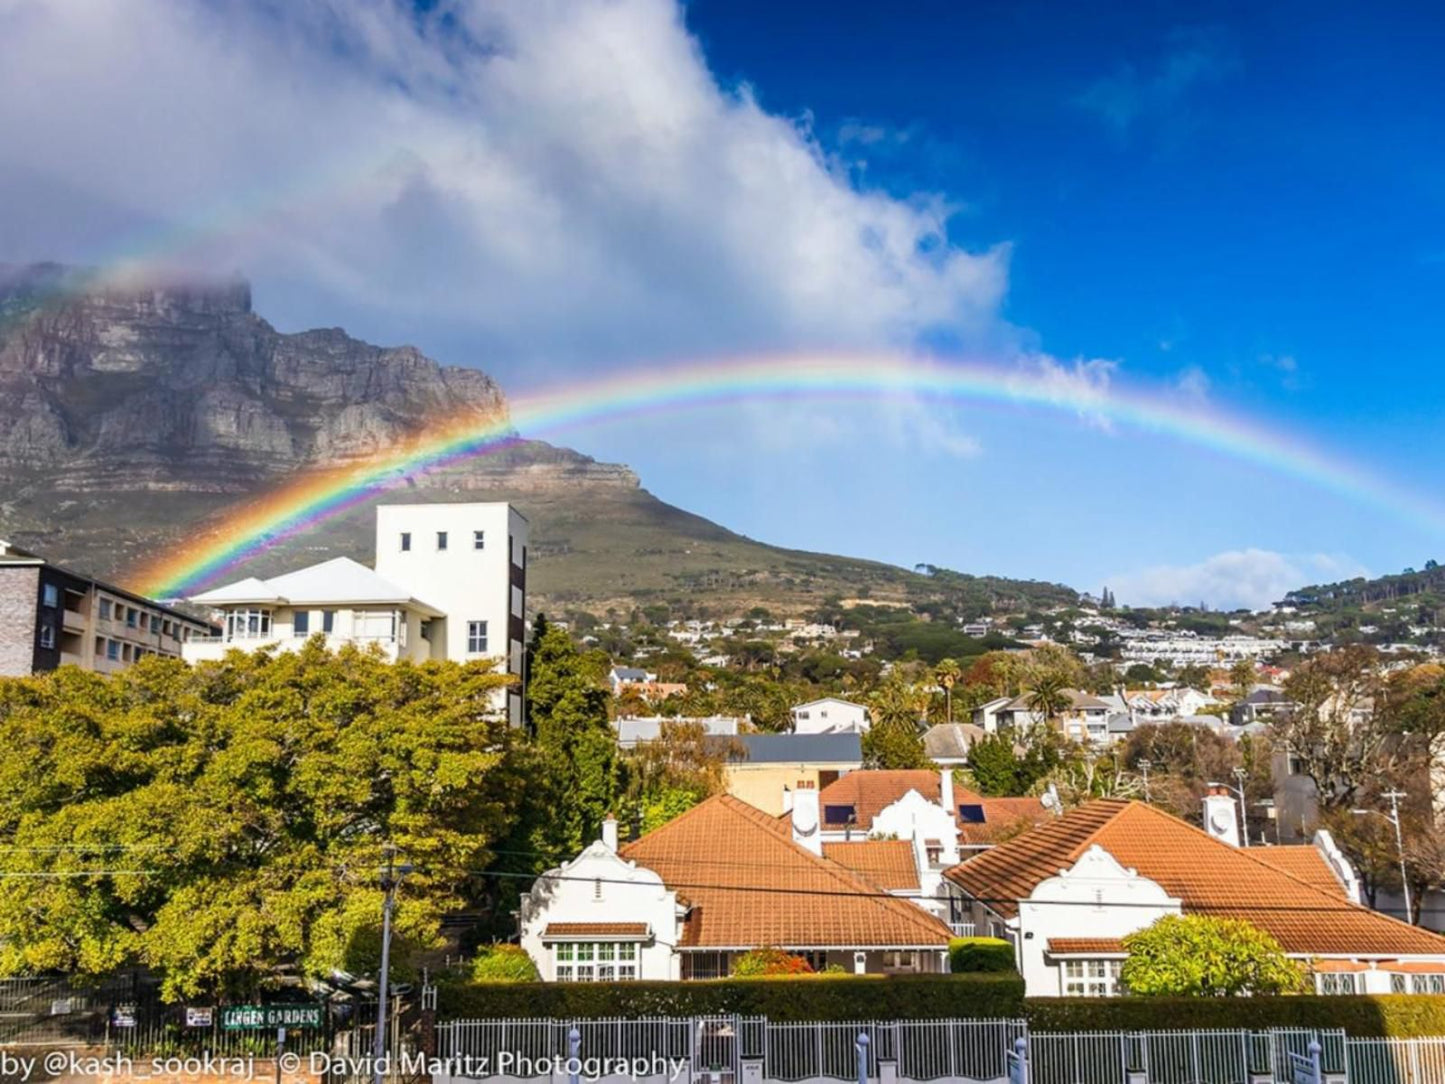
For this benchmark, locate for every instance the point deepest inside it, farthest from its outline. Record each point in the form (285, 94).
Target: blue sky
(1241, 206)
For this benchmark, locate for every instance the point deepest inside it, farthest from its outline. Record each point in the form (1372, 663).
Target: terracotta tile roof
(870, 792)
(595, 929)
(750, 886)
(1208, 876)
(1085, 946)
(1304, 862)
(888, 863)
(1003, 818)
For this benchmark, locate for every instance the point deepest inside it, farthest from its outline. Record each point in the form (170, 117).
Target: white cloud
(1193, 382)
(567, 177)
(1192, 56)
(1082, 385)
(1249, 578)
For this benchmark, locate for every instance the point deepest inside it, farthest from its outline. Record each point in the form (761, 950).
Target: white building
(744, 880)
(830, 715)
(450, 583)
(1067, 893)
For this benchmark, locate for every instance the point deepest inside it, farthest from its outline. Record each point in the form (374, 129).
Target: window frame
(301, 623)
(442, 541)
(404, 542)
(47, 637)
(595, 961)
(479, 540)
(474, 638)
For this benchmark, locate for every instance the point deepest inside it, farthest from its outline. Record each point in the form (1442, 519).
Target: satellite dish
(1221, 821)
(805, 818)
(1050, 800)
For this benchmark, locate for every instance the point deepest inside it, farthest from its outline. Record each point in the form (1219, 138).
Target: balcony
(72, 620)
(962, 929)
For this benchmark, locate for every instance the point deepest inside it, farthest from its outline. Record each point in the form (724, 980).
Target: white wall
(1096, 897)
(601, 887)
(830, 716)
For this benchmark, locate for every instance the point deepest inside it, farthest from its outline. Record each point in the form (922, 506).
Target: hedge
(980, 995)
(969, 954)
(808, 997)
(1387, 1015)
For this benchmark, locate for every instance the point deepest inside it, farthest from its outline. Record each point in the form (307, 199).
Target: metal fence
(721, 1048)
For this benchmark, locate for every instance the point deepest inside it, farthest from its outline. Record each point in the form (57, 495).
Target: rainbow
(318, 496)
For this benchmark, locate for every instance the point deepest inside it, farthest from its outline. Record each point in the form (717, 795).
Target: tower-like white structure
(472, 560)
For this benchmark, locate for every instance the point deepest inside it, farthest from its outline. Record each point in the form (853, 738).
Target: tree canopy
(1200, 956)
(223, 825)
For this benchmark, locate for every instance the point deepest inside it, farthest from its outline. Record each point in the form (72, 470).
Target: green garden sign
(266, 1017)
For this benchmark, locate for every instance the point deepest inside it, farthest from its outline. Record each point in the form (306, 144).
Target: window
(1091, 978)
(105, 609)
(441, 540)
(900, 961)
(248, 624)
(405, 541)
(476, 637)
(132, 617)
(328, 621)
(1334, 982)
(1427, 984)
(301, 623)
(839, 814)
(50, 595)
(970, 814)
(479, 540)
(1399, 984)
(595, 961)
(47, 636)
(112, 650)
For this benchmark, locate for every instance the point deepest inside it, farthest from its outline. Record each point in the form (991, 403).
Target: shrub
(1200, 956)
(770, 962)
(1387, 1015)
(504, 963)
(968, 954)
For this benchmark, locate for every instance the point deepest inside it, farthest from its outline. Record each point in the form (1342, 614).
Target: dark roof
(798, 749)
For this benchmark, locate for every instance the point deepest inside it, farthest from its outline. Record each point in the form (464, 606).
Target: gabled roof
(872, 791)
(339, 581)
(751, 886)
(951, 741)
(1078, 701)
(829, 700)
(1207, 875)
(888, 863)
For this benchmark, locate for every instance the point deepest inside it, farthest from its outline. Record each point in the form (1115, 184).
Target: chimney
(1221, 815)
(806, 829)
(609, 833)
(945, 792)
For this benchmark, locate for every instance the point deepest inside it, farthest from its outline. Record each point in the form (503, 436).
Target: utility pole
(1144, 765)
(1394, 796)
(1241, 774)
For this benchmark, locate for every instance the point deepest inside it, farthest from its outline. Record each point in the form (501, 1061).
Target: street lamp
(1393, 817)
(390, 878)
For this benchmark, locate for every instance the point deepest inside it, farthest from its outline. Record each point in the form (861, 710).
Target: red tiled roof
(1305, 862)
(888, 863)
(595, 929)
(1208, 876)
(751, 886)
(871, 791)
(1003, 818)
(1085, 946)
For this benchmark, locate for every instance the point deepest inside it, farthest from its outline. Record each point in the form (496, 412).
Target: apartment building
(450, 582)
(51, 616)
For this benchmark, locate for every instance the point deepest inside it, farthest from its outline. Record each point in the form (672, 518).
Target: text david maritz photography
(504, 1064)
(72, 1063)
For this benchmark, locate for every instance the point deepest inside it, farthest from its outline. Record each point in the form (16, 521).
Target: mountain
(135, 412)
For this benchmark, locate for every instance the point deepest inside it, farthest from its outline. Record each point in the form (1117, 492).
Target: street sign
(199, 1018)
(266, 1017)
(123, 1016)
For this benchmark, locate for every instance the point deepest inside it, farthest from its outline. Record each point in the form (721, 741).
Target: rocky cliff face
(167, 385)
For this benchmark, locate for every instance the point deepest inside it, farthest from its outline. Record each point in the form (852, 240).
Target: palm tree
(947, 673)
(1049, 697)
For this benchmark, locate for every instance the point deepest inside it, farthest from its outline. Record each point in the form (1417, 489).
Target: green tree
(947, 673)
(249, 802)
(567, 701)
(996, 771)
(504, 963)
(893, 739)
(1048, 697)
(1200, 956)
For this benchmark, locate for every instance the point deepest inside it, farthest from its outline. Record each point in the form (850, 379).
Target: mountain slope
(132, 413)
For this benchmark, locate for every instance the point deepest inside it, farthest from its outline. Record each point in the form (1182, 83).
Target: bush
(1388, 1015)
(971, 954)
(808, 997)
(504, 963)
(1203, 956)
(768, 962)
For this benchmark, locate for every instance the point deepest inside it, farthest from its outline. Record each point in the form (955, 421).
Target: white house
(830, 715)
(742, 881)
(986, 714)
(1066, 894)
(450, 583)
